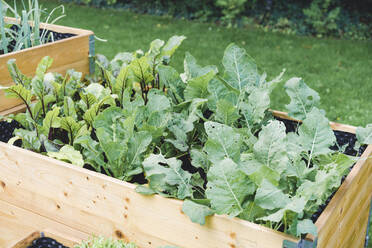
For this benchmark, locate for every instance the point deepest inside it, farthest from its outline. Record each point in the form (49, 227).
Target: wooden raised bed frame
(39, 192)
(73, 52)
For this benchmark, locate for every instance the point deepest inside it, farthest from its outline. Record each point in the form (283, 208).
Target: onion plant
(24, 31)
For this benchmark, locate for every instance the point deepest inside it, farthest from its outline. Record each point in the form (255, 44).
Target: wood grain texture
(95, 203)
(68, 53)
(343, 219)
(16, 224)
(25, 242)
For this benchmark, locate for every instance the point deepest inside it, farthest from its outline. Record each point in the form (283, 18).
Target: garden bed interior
(39, 193)
(67, 53)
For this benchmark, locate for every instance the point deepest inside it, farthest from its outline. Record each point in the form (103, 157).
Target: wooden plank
(67, 54)
(95, 203)
(348, 204)
(25, 242)
(17, 223)
(54, 27)
(67, 190)
(62, 238)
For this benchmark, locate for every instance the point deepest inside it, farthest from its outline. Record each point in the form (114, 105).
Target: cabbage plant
(204, 136)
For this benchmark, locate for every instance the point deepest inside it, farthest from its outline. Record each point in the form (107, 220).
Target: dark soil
(46, 242)
(343, 138)
(53, 36)
(6, 130)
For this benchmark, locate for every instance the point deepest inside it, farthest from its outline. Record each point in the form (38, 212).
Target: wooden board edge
(55, 27)
(334, 125)
(13, 110)
(339, 195)
(62, 238)
(26, 241)
(10, 55)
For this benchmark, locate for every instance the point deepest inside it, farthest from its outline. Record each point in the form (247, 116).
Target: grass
(340, 70)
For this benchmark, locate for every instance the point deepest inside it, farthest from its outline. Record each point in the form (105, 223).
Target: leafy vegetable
(101, 242)
(303, 99)
(69, 154)
(364, 135)
(203, 136)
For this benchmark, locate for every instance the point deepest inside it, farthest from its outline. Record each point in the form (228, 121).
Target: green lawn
(340, 70)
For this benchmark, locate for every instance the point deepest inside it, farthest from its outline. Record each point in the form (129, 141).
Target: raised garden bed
(89, 202)
(73, 50)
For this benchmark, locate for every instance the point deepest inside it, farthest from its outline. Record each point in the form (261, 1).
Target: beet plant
(203, 136)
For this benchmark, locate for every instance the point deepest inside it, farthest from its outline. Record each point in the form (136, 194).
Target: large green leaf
(92, 152)
(168, 173)
(223, 142)
(91, 113)
(226, 112)
(137, 145)
(157, 101)
(199, 159)
(86, 100)
(171, 46)
(196, 212)
(270, 197)
(154, 51)
(121, 84)
(257, 172)
(180, 127)
(69, 154)
(69, 107)
(170, 79)
(30, 139)
(303, 98)
(198, 87)
(113, 131)
(18, 91)
(270, 148)
(316, 135)
(97, 90)
(141, 70)
(364, 135)
(43, 67)
(218, 91)
(240, 69)
(306, 226)
(228, 187)
(52, 120)
(254, 108)
(17, 75)
(193, 70)
(72, 127)
(296, 205)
